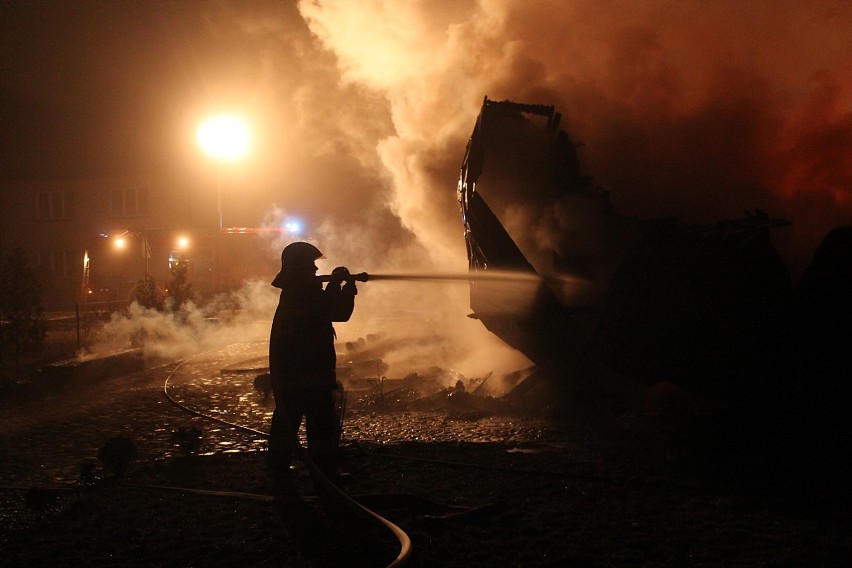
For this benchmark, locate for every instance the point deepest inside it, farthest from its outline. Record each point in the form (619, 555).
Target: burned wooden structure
(704, 307)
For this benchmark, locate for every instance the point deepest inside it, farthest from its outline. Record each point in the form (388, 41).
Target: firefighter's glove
(350, 288)
(338, 275)
(341, 274)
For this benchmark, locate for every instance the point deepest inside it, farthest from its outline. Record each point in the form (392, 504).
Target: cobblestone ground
(221, 384)
(551, 495)
(47, 440)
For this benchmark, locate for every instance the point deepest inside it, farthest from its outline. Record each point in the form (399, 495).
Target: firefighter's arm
(341, 298)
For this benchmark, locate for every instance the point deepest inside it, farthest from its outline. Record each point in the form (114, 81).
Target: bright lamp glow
(182, 242)
(224, 137)
(293, 227)
(120, 242)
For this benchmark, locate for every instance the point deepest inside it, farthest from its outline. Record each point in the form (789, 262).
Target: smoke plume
(689, 109)
(362, 110)
(243, 315)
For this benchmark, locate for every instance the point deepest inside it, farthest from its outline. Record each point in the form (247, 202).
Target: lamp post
(225, 138)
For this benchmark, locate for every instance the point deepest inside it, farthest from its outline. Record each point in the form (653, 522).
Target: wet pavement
(221, 385)
(550, 496)
(48, 440)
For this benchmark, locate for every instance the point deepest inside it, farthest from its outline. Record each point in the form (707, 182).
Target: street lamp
(225, 138)
(179, 253)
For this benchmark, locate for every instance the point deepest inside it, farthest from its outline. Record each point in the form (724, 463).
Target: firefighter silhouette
(302, 358)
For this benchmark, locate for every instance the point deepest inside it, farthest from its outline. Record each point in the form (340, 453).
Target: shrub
(22, 326)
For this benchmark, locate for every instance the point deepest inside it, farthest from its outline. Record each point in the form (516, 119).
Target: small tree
(22, 327)
(179, 289)
(146, 294)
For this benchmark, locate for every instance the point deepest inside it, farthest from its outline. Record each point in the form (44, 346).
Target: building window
(128, 202)
(60, 263)
(51, 205)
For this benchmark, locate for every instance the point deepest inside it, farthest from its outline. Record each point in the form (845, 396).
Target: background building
(94, 239)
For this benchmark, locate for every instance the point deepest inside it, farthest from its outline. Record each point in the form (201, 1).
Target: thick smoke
(700, 110)
(242, 315)
(689, 109)
(427, 321)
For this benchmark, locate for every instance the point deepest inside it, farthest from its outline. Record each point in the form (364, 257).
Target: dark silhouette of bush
(116, 454)
(146, 294)
(188, 439)
(22, 326)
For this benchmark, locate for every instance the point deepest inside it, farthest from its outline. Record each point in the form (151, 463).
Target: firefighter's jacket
(301, 343)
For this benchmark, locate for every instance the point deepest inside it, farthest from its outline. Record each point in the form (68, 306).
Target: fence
(89, 314)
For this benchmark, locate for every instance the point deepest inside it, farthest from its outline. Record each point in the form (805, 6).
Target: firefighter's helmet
(299, 254)
(295, 258)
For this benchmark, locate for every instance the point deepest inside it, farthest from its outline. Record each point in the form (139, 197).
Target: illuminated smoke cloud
(428, 319)
(242, 315)
(697, 110)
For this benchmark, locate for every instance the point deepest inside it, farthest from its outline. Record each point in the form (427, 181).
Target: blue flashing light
(293, 227)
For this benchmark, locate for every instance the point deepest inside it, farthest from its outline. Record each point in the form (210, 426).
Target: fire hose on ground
(316, 474)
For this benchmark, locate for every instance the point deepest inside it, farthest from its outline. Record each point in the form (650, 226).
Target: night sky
(361, 110)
